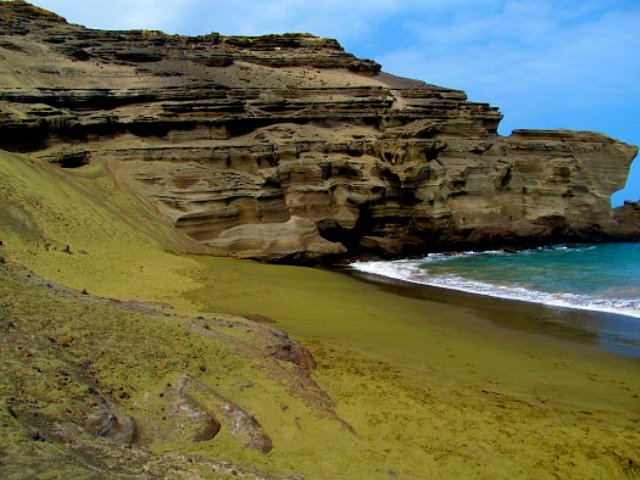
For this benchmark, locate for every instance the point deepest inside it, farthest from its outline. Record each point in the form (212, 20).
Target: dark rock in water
(286, 148)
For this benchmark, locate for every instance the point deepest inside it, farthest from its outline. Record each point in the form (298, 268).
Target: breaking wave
(586, 277)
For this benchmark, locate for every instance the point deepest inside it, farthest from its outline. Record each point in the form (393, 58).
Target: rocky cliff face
(287, 148)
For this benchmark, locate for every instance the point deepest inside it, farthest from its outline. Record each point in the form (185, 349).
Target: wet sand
(618, 334)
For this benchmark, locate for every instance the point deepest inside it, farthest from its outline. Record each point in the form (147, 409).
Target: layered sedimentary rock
(287, 148)
(628, 219)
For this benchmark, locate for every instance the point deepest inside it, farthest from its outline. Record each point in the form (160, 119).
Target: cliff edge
(287, 148)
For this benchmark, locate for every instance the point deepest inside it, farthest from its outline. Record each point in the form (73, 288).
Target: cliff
(124, 357)
(287, 148)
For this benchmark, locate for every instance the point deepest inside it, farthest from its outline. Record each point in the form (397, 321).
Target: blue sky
(546, 63)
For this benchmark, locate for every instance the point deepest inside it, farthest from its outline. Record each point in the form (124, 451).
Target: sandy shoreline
(447, 383)
(407, 324)
(613, 333)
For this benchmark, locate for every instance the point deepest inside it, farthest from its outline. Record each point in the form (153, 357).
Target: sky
(546, 63)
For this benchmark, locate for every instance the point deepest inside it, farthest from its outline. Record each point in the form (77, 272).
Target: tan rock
(295, 240)
(118, 427)
(287, 148)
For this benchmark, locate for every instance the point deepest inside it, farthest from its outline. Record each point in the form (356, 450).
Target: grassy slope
(431, 391)
(116, 250)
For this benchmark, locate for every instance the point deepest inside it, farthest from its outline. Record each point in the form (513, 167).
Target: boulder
(296, 240)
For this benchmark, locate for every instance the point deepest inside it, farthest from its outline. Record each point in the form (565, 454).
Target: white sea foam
(412, 272)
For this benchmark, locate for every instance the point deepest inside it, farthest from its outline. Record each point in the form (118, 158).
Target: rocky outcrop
(297, 239)
(287, 148)
(627, 218)
(198, 413)
(118, 427)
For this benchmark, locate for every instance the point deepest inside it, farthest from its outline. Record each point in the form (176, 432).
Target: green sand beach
(440, 385)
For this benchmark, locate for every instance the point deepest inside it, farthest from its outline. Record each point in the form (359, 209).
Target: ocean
(601, 278)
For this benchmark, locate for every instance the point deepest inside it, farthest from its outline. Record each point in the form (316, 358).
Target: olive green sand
(405, 387)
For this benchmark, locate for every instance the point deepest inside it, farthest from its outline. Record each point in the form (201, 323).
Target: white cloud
(117, 14)
(529, 52)
(250, 17)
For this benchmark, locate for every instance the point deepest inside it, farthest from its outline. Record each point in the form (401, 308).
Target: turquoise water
(603, 278)
(600, 283)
